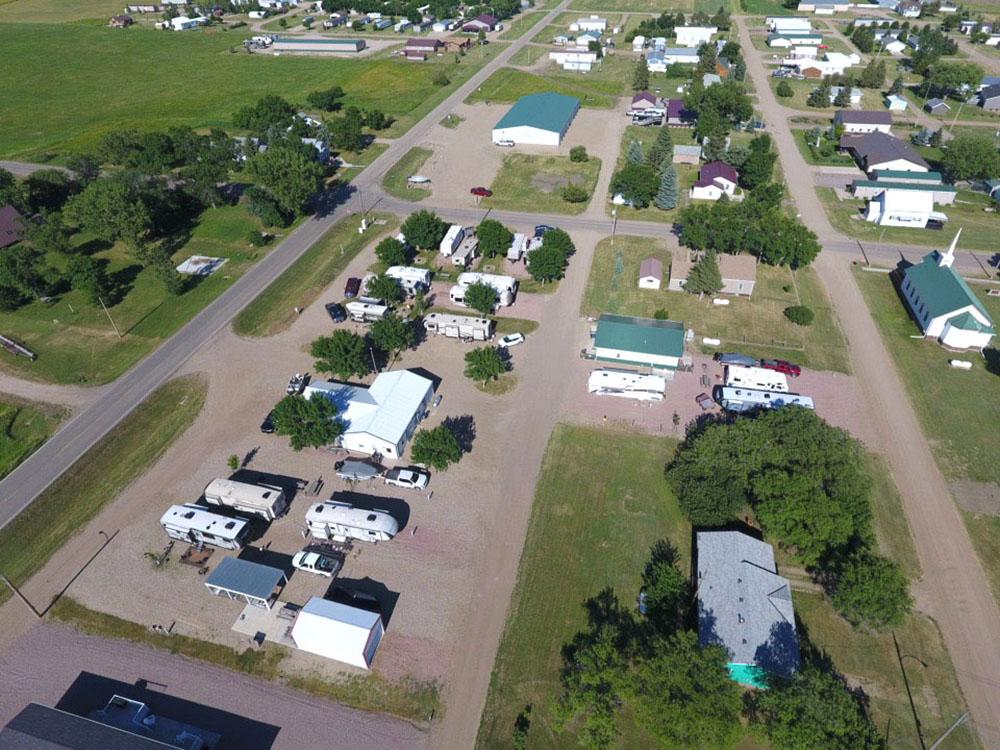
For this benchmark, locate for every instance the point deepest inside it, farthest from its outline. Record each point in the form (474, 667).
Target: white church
(944, 305)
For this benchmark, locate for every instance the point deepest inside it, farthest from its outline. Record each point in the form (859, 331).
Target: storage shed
(338, 631)
(537, 119)
(247, 581)
(650, 274)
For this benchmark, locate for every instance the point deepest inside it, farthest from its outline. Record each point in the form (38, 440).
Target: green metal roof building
(639, 341)
(537, 119)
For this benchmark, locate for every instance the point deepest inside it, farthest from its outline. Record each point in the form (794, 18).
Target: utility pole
(109, 317)
(614, 224)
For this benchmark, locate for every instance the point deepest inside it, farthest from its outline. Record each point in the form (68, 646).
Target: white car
(511, 339)
(505, 142)
(314, 562)
(412, 479)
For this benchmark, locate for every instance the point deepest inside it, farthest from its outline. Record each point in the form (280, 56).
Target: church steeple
(946, 259)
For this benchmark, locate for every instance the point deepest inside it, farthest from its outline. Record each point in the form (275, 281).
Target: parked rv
(342, 521)
(258, 500)
(626, 384)
(452, 239)
(517, 248)
(505, 287)
(745, 399)
(196, 525)
(756, 378)
(466, 252)
(366, 312)
(459, 326)
(412, 279)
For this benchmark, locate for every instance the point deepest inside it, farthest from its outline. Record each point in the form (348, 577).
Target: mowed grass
(273, 311)
(528, 182)
(755, 325)
(65, 86)
(24, 426)
(395, 180)
(870, 98)
(98, 477)
(58, 11)
(687, 174)
(804, 144)
(600, 503)
(507, 85)
(516, 28)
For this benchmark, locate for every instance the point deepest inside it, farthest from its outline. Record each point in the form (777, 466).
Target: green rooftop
(968, 322)
(548, 111)
(896, 174)
(884, 184)
(941, 288)
(641, 335)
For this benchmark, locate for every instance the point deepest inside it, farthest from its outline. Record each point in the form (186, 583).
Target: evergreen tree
(640, 80)
(843, 98)
(661, 150)
(666, 198)
(704, 277)
(820, 96)
(897, 86)
(635, 155)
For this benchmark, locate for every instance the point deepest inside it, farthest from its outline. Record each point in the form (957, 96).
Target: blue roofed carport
(244, 580)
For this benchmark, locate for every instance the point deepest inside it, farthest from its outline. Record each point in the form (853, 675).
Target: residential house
(937, 106)
(715, 180)
(894, 47)
(680, 56)
(832, 63)
(745, 606)
(853, 97)
(988, 81)
(909, 8)
(650, 273)
(11, 226)
(644, 100)
(791, 39)
(594, 23)
(880, 151)
(445, 24)
(823, 7)
(864, 121)
(694, 36)
(968, 27)
(418, 48)
(584, 39)
(121, 22)
(639, 341)
(576, 59)
(739, 273)
(560, 40)
(896, 103)
(686, 154)
(942, 303)
(947, 7)
(183, 23)
(989, 98)
(993, 40)
(322, 149)
(485, 22)
(677, 116)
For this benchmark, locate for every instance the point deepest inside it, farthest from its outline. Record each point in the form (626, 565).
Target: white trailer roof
(248, 495)
(346, 514)
(497, 281)
(756, 377)
(609, 377)
(409, 272)
(462, 321)
(197, 518)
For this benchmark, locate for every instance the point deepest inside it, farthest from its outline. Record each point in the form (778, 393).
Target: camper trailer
(365, 312)
(505, 287)
(333, 521)
(756, 378)
(412, 279)
(258, 500)
(626, 384)
(466, 252)
(746, 399)
(517, 248)
(459, 326)
(452, 239)
(194, 524)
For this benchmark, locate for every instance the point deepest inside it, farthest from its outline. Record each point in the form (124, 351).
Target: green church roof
(941, 288)
(640, 335)
(968, 322)
(548, 111)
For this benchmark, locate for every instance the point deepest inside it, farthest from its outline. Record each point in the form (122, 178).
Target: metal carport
(247, 581)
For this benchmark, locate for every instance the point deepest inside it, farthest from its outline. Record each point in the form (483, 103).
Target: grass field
(98, 477)
(519, 26)
(979, 228)
(870, 98)
(24, 426)
(836, 159)
(528, 182)
(686, 173)
(764, 8)
(508, 85)
(757, 325)
(528, 55)
(58, 11)
(273, 310)
(50, 107)
(395, 179)
(652, 6)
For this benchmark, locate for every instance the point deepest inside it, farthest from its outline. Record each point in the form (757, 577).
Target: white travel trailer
(756, 378)
(452, 239)
(194, 524)
(467, 251)
(626, 384)
(342, 521)
(258, 500)
(746, 399)
(366, 312)
(518, 247)
(459, 326)
(504, 286)
(411, 279)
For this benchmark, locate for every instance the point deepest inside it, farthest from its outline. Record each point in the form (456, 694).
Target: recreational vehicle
(452, 239)
(746, 399)
(626, 384)
(194, 524)
(517, 247)
(412, 279)
(467, 252)
(266, 502)
(756, 378)
(459, 326)
(341, 521)
(504, 286)
(366, 312)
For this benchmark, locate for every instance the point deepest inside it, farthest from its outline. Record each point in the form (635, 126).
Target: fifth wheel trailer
(459, 326)
(756, 378)
(411, 279)
(626, 384)
(266, 502)
(195, 525)
(341, 521)
(505, 286)
(746, 399)
(366, 312)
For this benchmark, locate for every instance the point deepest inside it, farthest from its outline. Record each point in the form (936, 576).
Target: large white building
(786, 24)
(537, 119)
(898, 207)
(338, 631)
(594, 23)
(381, 418)
(580, 60)
(694, 36)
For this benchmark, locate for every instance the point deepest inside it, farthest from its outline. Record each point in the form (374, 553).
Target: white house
(183, 23)
(584, 39)
(381, 418)
(594, 23)
(650, 273)
(897, 207)
(943, 305)
(537, 119)
(639, 43)
(679, 56)
(338, 631)
(794, 38)
(694, 36)
(579, 60)
(715, 180)
(895, 47)
(864, 121)
(853, 98)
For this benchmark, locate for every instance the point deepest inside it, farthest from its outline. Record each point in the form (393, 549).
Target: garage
(537, 120)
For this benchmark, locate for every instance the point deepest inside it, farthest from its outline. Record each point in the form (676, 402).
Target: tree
(872, 591)
(89, 277)
(704, 276)
(574, 193)
(50, 235)
(949, 78)
(160, 261)
(546, 264)
(327, 100)
(635, 154)
(392, 334)
(814, 709)
(384, 287)
(440, 78)
(819, 96)
(708, 59)
(308, 422)
(873, 76)
(437, 448)
(47, 190)
(897, 86)
(578, 154)
(112, 210)
(343, 353)
(262, 204)
(484, 364)
(288, 175)
(391, 252)
(666, 197)
(637, 183)
(665, 588)
(481, 297)
(270, 111)
(640, 79)
(662, 150)
(784, 241)
(347, 132)
(784, 89)
(843, 97)
(87, 168)
(722, 21)
(970, 157)
(494, 237)
(800, 315)
(864, 39)
(424, 229)
(560, 241)
(759, 164)
(23, 268)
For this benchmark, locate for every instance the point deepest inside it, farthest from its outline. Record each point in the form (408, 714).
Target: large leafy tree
(86, 167)
(23, 268)
(484, 364)
(346, 133)
(391, 252)
(307, 422)
(270, 111)
(872, 591)
(783, 241)
(970, 157)
(949, 78)
(112, 209)
(327, 100)
(47, 190)
(759, 164)
(481, 297)
(392, 334)
(493, 236)
(343, 353)
(50, 235)
(424, 229)
(89, 277)
(288, 174)
(546, 264)
(437, 448)
(637, 183)
(384, 287)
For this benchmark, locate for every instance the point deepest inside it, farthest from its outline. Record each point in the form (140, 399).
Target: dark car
(336, 312)
(541, 229)
(481, 192)
(735, 358)
(353, 598)
(780, 365)
(267, 426)
(353, 287)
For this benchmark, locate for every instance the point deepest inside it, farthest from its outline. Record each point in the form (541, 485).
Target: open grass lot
(528, 182)
(686, 173)
(395, 179)
(516, 28)
(764, 8)
(836, 159)
(58, 11)
(979, 228)
(273, 311)
(24, 426)
(756, 325)
(870, 98)
(594, 90)
(528, 55)
(97, 478)
(138, 79)
(74, 340)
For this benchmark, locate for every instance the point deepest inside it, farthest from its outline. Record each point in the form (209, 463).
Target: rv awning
(241, 579)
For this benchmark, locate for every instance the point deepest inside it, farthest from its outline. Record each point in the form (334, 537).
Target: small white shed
(650, 274)
(338, 631)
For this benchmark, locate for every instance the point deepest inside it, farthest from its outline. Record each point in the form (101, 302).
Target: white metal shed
(338, 631)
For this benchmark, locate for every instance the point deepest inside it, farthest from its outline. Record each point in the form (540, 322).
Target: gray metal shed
(247, 581)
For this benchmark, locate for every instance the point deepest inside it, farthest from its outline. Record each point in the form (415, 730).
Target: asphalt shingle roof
(548, 111)
(875, 148)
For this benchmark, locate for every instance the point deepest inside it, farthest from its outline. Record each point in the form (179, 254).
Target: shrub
(578, 154)
(440, 79)
(259, 239)
(261, 204)
(784, 90)
(800, 315)
(574, 194)
(661, 314)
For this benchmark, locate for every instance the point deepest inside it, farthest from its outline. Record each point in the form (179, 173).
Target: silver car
(413, 479)
(354, 470)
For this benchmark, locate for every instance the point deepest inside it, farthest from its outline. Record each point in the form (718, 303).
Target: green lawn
(870, 98)
(395, 179)
(516, 28)
(507, 85)
(686, 173)
(764, 8)
(98, 477)
(50, 107)
(836, 159)
(58, 11)
(756, 325)
(528, 182)
(24, 426)
(273, 310)
(528, 55)
(979, 228)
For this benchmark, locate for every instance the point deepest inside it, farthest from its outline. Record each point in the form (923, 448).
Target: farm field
(24, 426)
(58, 11)
(529, 182)
(756, 324)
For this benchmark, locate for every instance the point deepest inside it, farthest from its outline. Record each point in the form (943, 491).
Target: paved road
(88, 426)
(954, 588)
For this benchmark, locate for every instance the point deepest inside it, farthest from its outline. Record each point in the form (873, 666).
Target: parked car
(541, 229)
(267, 426)
(354, 470)
(353, 598)
(353, 287)
(704, 401)
(437, 401)
(296, 384)
(511, 339)
(412, 479)
(481, 192)
(336, 312)
(735, 358)
(782, 366)
(315, 562)
(505, 142)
